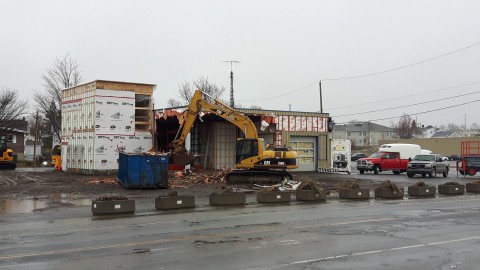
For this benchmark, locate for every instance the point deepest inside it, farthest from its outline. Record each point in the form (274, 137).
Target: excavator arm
(217, 107)
(197, 105)
(253, 162)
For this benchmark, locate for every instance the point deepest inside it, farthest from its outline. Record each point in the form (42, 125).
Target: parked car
(356, 156)
(454, 157)
(430, 164)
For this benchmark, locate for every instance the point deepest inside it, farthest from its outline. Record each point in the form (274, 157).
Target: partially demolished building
(214, 138)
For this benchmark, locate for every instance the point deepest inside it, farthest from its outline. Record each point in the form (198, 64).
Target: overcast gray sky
(285, 48)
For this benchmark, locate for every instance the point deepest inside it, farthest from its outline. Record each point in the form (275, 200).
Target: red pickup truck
(383, 161)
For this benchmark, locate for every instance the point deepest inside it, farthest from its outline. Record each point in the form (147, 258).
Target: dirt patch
(49, 183)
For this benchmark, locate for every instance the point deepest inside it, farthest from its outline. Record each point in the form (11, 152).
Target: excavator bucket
(181, 157)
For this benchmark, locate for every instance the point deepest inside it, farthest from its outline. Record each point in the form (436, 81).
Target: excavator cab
(247, 148)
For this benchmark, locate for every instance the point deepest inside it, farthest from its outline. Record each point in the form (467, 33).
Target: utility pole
(35, 142)
(465, 122)
(232, 102)
(321, 101)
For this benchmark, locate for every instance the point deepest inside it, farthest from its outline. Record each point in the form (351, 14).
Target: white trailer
(341, 151)
(406, 150)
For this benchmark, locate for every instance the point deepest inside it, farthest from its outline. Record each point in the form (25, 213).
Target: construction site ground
(59, 189)
(43, 183)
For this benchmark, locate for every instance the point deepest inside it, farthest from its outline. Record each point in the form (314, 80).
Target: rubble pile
(270, 189)
(451, 184)
(96, 181)
(389, 185)
(172, 194)
(180, 179)
(225, 189)
(112, 197)
(351, 184)
(420, 184)
(311, 185)
(150, 152)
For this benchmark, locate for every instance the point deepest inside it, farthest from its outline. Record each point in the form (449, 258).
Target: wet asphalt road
(431, 233)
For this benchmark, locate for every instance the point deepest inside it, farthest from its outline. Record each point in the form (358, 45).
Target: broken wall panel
(301, 123)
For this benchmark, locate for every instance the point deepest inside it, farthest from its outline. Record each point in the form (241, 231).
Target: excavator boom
(180, 155)
(252, 159)
(221, 109)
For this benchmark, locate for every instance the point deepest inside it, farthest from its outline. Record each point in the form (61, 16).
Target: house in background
(15, 136)
(363, 134)
(446, 134)
(426, 132)
(30, 151)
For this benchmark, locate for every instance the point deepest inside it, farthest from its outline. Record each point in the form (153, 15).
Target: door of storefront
(305, 147)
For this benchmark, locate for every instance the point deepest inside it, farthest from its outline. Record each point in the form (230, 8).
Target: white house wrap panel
(96, 125)
(115, 112)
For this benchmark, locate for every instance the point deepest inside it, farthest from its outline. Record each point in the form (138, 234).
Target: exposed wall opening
(142, 112)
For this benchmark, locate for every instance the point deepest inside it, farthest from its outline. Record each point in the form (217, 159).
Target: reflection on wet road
(11, 206)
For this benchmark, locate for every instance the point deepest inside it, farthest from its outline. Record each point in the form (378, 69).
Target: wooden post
(35, 142)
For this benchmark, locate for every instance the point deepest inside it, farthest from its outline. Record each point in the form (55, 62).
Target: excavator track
(257, 176)
(7, 166)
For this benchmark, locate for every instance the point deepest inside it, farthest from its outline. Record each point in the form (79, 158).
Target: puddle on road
(26, 206)
(34, 169)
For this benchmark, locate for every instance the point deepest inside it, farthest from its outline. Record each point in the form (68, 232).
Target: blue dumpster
(143, 171)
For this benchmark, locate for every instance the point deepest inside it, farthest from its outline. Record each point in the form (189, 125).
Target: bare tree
(43, 129)
(474, 126)
(452, 127)
(174, 103)
(186, 93)
(208, 88)
(64, 73)
(406, 127)
(187, 89)
(11, 108)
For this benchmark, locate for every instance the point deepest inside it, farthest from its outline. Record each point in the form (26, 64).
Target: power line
(367, 74)
(402, 97)
(402, 67)
(424, 112)
(410, 105)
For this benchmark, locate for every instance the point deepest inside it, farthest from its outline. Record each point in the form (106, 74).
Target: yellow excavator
(57, 157)
(6, 159)
(254, 163)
